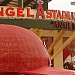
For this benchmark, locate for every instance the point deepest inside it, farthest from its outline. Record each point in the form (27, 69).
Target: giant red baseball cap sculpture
(21, 51)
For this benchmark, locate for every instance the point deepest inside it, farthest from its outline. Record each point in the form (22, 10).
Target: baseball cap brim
(49, 71)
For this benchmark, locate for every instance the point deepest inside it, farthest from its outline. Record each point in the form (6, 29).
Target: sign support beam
(68, 41)
(56, 40)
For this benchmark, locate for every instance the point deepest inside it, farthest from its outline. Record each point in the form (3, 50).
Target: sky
(61, 5)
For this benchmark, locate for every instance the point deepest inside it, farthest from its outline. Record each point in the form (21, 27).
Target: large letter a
(40, 11)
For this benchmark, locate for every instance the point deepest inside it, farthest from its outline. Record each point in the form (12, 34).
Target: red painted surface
(66, 51)
(20, 50)
(68, 55)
